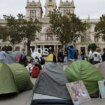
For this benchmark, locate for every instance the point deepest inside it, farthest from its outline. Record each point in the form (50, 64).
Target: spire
(88, 17)
(39, 2)
(60, 2)
(73, 2)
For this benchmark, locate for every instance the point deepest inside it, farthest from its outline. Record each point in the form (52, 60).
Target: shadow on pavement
(8, 96)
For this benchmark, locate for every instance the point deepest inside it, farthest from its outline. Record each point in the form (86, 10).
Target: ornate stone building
(46, 38)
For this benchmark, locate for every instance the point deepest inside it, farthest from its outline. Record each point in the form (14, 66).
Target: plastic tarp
(83, 70)
(14, 78)
(51, 82)
(7, 83)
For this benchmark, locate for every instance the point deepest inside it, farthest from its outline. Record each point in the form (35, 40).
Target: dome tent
(50, 88)
(21, 77)
(7, 83)
(14, 78)
(88, 73)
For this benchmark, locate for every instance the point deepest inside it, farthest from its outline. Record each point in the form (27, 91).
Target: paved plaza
(21, 99)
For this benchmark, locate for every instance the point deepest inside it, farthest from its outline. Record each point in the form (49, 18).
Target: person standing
(103, 55)
(90, 57)
(97, 56)
(51, 56)
(70, 52)
(60, 55)
(76, 54)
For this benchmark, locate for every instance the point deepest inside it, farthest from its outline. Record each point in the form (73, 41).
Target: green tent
(14, 78)
(83, 70)
(7, 83)
(21, 77)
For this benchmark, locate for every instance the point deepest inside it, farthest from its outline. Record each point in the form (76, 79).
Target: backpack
(35, 72)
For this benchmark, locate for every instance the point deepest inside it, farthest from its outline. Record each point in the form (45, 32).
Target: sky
(83, 8)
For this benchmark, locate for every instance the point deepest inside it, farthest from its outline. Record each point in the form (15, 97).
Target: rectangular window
(32, 13)
(96, 39)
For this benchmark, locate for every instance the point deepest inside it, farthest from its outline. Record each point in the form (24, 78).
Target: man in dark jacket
(103, 56)
(60, 55)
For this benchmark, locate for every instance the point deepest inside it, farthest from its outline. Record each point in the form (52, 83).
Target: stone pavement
(21, 99)
(24, 98)
(97, 101)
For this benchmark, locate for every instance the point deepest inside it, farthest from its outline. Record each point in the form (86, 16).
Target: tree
(3, 33)
(92, 47)
(67, 27)
(100, 28)
(30, 30)
(20, 29)
(14, 33)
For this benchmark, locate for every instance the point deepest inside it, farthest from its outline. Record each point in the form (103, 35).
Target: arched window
(83, 39)
(49, 34)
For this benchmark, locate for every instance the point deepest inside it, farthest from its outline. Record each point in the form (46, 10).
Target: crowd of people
(69, 53)
(72, 54)
(64, 55)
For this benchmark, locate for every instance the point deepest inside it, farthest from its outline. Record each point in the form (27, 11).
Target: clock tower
(50, 5)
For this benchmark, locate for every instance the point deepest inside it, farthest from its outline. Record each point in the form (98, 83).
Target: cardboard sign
(78, 92)
(102, 88)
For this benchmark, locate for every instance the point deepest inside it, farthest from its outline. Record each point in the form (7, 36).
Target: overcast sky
(83, 8)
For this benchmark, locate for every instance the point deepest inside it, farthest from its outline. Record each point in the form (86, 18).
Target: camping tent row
(50, 87)
(14, 78)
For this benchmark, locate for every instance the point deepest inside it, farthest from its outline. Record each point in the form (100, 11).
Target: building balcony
(45, 37)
